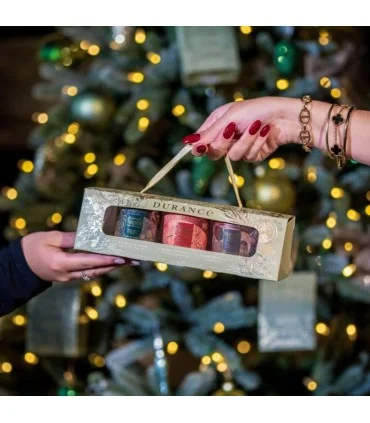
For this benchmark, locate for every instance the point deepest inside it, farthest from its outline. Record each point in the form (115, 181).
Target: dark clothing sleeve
(18, 284)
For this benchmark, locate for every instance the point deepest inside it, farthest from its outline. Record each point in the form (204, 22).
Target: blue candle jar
(138, 224)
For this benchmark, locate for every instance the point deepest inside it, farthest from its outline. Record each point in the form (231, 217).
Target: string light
(222, 367)
(10, 193)
(217, 357)
(327, 243)
(120, 301)
(73, 128)
(42, 118)
(309, 249)
(335, 92)
(238, 96)
(337, 192)
(206, 360)
(153, 57)
(218, 327)
(324, 41)
(208, 274)
(140, 36)
(310, 384)
(322, 329)
(6, 367)
(351, 330)
(325, 82)
(246, 30)
(368, 196)
(69, 138)
(89, 157)
(119, 160)
(348, 246)
(91, 313)
(70, 90)
(178, 110)
(91, 170)
(312, 174)
(172, 347)
(143, 124)
(20, 223)
(277, 163)
(83, 319)
(19, 320)
(243, 347)
(142, 104)
(97, 360)
(96, 290)
(93, 50)
(367, 210)
(331, 222)
(84, 45)
(67, 61)
(349, 270)
(31, 358)
(25, 166)
(135, 77)
(353, 215)
(282, 84)
(162, 267)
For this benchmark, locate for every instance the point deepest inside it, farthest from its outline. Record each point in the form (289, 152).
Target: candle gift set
(208, 236)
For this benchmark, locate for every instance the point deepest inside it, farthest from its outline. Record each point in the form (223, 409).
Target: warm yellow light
(91, 313)
(349, 270)
(282, 84)
(136, 77)
(20, 223)
(331, 222)
(337, 192)
(222, 367)
(42, 118)
(348, 246)
(142, 104)
(368, 196)
(217, 357)
(140, 36)
(73, 128)
(351, 330)
(208, 274)
(120, 301)
(367, 210)
(322, 329)
(153, 57)
(206, 360)
(219, 327)
(26, 166)
(162, 267)
(311, 177)
(243, 347)
(70, 90)
(325, 82)
(178, 110)
(68, 376)
(277, 163)
(6, 367)
(69, 138)
(96, 291)
(335, 92)
(84, 45)
(353, 215)
(142, 124)
(56, 218)
(309, 249)
(312, 385)
(327, 243)
(19, 320)
(89, 157)
(238, 96)
(11, 193)
(246, 30)
(93, 50)
(172, 347)
(119, 160)
(31, 358)
(83, 319)
(92, 169)
(98, 361)
(67, 61)
(240, 181)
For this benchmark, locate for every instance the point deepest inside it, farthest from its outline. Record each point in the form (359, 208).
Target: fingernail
(265, 130)
(119, 261)
(201, 149)
(191, 139)
(229, 130)
(255, 127)
(135, 263)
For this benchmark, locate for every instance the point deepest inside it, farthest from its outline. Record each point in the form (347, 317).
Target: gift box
(180, 232)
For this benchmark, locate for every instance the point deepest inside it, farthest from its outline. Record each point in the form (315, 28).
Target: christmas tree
(121, 100)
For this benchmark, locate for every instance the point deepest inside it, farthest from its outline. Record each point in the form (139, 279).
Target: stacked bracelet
(305, 119)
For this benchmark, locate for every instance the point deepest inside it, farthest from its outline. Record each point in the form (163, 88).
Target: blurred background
(108, 107)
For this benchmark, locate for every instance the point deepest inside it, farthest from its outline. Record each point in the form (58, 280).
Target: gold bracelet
(305, 119)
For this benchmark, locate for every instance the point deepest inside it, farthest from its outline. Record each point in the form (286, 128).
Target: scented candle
(234, 239)
(185, 231)
(138, 224)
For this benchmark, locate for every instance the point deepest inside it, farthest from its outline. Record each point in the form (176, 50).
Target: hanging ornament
(93, 110)
(274, 192)
(228, 390)
(202, 173)
(285, 57)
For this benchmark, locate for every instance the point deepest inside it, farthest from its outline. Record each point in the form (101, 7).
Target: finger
(256, 147)
(92, 273)
(242, 146)
(62, 239)
(75, 261)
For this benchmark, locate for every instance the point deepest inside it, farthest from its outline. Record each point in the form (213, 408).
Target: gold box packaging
(265, 241)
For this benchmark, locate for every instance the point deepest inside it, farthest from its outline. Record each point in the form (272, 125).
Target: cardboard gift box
(208, 236)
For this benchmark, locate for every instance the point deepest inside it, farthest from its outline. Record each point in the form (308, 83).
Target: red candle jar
(185, 231)
(234, 239)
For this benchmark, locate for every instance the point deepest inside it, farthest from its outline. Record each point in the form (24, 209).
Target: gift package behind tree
(207, 236)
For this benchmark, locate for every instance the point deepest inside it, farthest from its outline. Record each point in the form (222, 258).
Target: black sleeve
(18, 284)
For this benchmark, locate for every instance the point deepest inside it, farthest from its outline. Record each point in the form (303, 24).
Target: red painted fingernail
(191, 139)
(229, 130)
(201, 149)
(265, 130)
(255, 127)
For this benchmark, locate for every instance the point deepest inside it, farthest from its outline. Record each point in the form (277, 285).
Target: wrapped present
(208, 236)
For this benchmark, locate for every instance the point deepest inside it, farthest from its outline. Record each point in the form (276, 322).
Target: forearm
(358, 144)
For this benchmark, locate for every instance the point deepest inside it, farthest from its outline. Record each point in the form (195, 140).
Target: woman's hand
(45, 255)
(248, 130)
